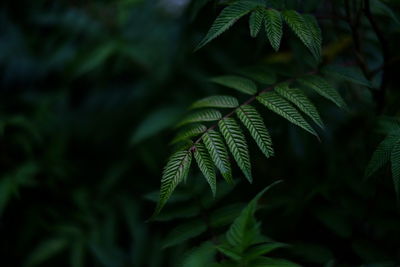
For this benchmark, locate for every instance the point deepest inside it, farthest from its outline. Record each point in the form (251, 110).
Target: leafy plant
(209, 149)
(242, 245)
(388, 151)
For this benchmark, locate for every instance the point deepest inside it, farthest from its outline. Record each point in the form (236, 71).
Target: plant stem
(380, 94)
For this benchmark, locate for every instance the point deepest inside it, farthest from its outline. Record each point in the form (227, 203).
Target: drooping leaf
(315, 34)
(303, 29)
(279, 105)
(351, 74)
(206, 166)
(175, 172)
(380, 8)
(381, 155)
(225, 215)
(323, 88)
(273, 27)
(219, 154)
(395, 160)
(254, 123)
(184, 232)
(299, 99)
(200, 256)
(189, 132)
(227, 18)
(238, 83)
(217, 101)
(202, 116)
(255, 22)
(45, 251)
(237, 144)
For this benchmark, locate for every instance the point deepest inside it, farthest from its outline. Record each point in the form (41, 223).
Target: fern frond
(201, 116)
(315, 33)
(245, 231)
(299, 99)
(175, 172)
(273, 27)
(381, 155)
(350, 74)
(238, 83)
(395, 159)
(237, 144)
(323, 88)
(254, 123)
(255, 22)
(302, 28)
(206, 166)
(217, 101)
(218, 152)
(227, 18)
(189, 132)
(279, 105)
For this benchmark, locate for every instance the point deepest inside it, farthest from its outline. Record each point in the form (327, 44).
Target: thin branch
(380, 94)
(354, 22)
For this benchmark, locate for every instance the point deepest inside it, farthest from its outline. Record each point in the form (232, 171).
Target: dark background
(90, 92)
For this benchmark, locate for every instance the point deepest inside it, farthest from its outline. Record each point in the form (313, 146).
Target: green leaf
(229, 252)
(395, 159)
(323, 88)
(237, 144)
(184, 232)
(200, 256)
(255, 22)
(351, 74)
(206, 166)
(273, 27)
(304, 30)
(259, 74)
(262, 249)
(227, 18)
(244, 231)
(189, 132)
(216, 147)
(238, 83)
(46, 250)
(201, 116)
(378, 7)
(299, 99)
(175, 172)
(315, 33)
(277, 104)
(154, 123)
(217, 101)
(254, 123)
(381, 155)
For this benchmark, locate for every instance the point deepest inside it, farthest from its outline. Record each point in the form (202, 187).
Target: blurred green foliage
(90, 92)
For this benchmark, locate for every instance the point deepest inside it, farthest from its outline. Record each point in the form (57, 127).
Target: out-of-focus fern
(388, 151)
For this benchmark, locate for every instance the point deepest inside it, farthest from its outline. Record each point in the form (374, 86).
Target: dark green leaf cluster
(210, 145)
